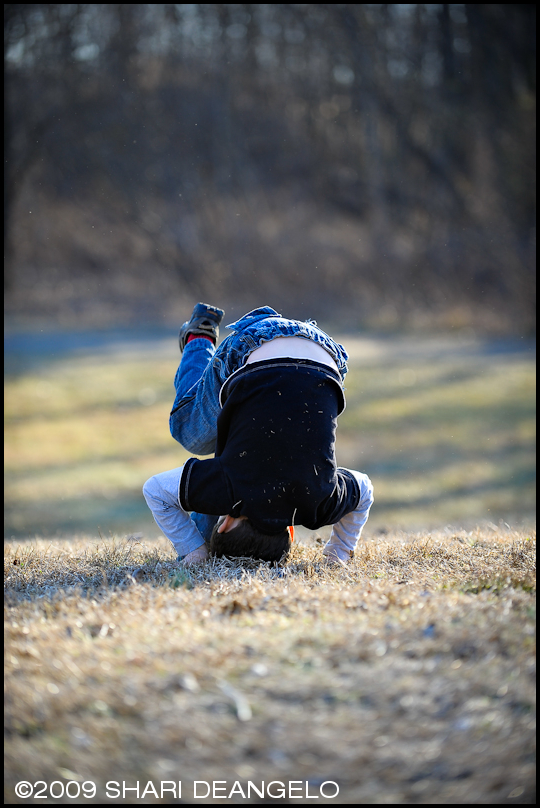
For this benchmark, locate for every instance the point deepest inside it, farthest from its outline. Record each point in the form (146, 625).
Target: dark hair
(246, 541)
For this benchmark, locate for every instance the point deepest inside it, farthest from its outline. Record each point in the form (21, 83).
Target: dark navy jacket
(275, 452)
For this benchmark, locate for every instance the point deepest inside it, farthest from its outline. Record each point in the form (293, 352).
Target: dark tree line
(355, 158)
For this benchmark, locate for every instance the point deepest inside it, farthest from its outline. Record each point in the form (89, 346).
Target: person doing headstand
(265, 402)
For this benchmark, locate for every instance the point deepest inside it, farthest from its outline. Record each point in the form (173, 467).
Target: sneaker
(205, 321)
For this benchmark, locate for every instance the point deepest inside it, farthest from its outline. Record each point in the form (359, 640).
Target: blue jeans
(204, 369)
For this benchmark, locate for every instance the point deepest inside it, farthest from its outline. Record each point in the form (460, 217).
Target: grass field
(445, 429)
(406, 678)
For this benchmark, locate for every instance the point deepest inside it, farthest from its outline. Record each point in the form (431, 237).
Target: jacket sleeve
(161, 495)
(345, 534)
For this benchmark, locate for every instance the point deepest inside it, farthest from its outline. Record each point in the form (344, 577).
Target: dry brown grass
(406, 678)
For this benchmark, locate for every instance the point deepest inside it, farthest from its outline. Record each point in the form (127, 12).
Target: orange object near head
(291, 532)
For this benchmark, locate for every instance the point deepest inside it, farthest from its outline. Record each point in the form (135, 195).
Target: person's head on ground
(238, 538)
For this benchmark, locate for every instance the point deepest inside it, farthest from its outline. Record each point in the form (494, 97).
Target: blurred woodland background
(372, 165)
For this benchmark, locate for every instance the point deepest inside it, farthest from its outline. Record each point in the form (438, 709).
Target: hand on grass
(334, 557)
(197, 556)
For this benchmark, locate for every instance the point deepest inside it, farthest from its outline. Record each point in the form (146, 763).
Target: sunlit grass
(68, 386)
(444, 439)
(415, 664)
(440, 438)
(114, 432)
(407, 677)
(89, 431)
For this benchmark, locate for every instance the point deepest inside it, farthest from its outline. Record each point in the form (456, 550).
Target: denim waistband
(263, 325)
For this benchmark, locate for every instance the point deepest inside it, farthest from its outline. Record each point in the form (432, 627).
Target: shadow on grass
(393, 448)
(97, 516)
(28, 351)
